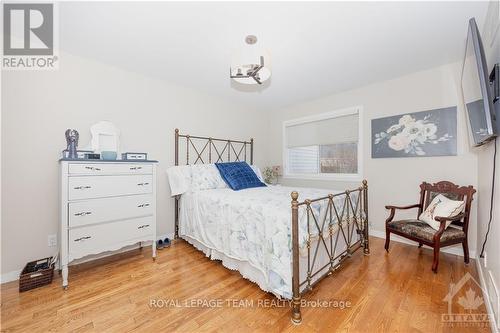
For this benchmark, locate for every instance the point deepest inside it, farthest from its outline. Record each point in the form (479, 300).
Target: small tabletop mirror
(105, 137)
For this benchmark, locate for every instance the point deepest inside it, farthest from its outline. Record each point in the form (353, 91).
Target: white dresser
(105, 205)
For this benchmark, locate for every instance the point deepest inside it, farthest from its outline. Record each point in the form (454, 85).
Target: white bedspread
(252, 225)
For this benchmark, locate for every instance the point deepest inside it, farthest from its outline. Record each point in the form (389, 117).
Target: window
(324, 146)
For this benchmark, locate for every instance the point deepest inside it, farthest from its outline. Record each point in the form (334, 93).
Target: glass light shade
(246, 58)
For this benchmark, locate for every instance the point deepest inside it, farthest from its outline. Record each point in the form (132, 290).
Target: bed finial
(295, 195)
(365, 183)
(176, 130)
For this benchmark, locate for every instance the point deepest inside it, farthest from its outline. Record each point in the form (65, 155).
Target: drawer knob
(82, 238)
(143, 205)
(92, 168)
(143, 226)
(142, 184)
(136, 168)
(82, 187)
(83, 213)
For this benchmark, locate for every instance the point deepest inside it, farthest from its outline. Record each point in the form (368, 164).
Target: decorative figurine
(72, 141)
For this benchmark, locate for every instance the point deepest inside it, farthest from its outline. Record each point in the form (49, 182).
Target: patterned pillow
(441, 206)
(239, 175)
(206, 177)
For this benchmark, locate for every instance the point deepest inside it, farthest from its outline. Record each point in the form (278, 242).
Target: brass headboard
(204, 150)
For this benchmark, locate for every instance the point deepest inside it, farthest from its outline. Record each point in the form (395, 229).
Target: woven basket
(36, 274)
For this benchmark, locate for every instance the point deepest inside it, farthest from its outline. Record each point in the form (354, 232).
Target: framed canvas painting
(418, 134)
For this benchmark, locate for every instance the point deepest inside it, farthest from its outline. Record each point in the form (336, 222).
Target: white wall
(394, 181)
(490, 268)
(37, 107)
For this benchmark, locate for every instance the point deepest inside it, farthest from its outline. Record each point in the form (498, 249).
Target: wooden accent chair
(422, 233)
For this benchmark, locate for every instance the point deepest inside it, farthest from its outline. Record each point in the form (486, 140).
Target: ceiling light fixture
(251, 64)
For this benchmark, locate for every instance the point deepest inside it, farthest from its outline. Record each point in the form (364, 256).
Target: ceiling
(316, 48)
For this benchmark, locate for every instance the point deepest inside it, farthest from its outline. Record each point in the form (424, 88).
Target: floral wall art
(418, 134)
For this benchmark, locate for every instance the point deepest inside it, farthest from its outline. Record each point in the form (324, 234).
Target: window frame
(323, 116)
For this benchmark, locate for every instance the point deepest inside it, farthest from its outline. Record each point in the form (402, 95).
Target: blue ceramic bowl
(108, 155)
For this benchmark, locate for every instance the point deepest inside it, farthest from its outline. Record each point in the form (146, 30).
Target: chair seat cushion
(421, 230)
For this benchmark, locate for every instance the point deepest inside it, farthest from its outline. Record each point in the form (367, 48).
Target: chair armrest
(403, 207)
(442, 220)
(393, 210)
(451, 218)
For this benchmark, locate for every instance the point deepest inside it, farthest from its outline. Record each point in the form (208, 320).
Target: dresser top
(84, 160)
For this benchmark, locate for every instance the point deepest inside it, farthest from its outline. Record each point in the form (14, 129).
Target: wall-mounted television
(477, 90)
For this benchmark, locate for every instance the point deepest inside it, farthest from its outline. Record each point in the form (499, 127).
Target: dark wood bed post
(176, 216)
(296, 316)
(366, 247)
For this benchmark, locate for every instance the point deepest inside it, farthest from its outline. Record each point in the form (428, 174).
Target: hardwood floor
(395, 292)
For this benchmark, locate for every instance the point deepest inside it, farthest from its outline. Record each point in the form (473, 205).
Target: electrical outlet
(52, 240)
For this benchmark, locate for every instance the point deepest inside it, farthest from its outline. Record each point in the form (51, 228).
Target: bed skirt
(248, 271)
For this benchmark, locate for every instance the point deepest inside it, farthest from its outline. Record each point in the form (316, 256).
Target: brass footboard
(346, 220)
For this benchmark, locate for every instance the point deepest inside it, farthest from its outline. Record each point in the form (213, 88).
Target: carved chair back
(454, 192)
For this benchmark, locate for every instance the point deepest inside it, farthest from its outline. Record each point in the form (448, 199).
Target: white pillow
(206, 177)
(179, 179)
(441, 206)
(257, 172)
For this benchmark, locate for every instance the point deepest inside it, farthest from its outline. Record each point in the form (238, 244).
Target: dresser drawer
(109, 236)
(111, 168)
(109, 209)
(108, 186)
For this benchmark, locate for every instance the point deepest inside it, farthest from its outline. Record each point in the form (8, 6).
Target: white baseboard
(456, 250)
(14, 275)
(489, 307)
(10, 276)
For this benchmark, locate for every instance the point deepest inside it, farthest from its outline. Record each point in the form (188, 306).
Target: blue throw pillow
(238, 175)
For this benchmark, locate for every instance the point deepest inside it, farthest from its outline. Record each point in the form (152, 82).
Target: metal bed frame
(353, 215)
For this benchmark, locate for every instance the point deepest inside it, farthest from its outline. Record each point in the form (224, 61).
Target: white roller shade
(303, 160)
(325, 131)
